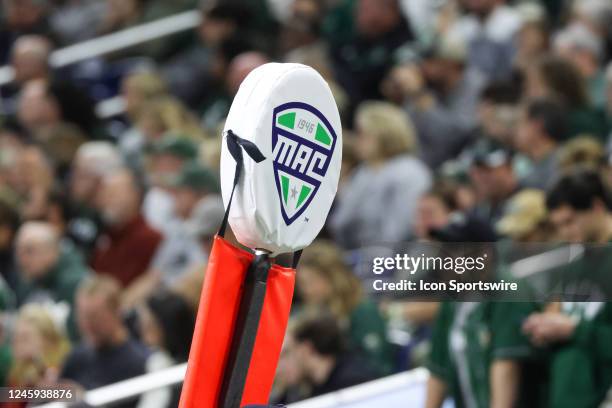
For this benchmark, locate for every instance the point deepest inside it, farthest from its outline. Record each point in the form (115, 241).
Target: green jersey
(468, 337)
(581, 369)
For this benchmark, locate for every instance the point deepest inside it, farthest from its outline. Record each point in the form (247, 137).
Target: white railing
(133, 387)
(413, 380)
(410, 380)
(116, 41)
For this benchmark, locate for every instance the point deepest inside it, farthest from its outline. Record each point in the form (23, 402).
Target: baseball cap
(488, 153)
(450, 48)
(206, 217)
(197, 177)
(176, 145)
(525, 211)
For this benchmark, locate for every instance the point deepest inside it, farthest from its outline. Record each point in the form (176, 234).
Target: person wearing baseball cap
(200, 209)
(167, 157)
(175, 146)
(525, 218)
(194, 183)
(493, 177)
(193, 190)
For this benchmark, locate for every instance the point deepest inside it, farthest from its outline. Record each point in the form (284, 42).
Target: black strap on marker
(253, 293)
(235, 144)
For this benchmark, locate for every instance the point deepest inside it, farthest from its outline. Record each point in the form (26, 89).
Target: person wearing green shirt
(48, 271)
(476, 355)
(326, 284)
(579, 335)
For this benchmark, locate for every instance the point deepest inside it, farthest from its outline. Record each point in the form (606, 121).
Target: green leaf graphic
(288, 120)
(322, 135)
(285, 185)
(303, 194)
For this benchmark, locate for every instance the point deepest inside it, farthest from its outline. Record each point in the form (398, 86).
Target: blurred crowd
(463, 121)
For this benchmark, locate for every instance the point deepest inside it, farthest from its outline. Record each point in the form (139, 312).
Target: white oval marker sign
(281, 203)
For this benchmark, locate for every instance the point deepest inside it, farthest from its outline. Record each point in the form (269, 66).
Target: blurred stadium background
(459, 116)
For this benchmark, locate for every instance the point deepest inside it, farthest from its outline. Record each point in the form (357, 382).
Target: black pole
(245, 333)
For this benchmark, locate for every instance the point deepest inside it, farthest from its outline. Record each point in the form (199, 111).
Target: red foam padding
(219, 301)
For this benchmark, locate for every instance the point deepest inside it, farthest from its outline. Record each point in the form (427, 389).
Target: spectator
(33, 179)
(180, 251)
(326, 284)
(120, 15)
(46, 103)
(457, 364)
(378, 203)
(107, 354)
(532, 41)
(526, 218)
(441, 96)
(30, 58)
(498, 111)
(60, 143)
(37, 108)
(580, 210)
(195, 187)
(541, 128)
(205, 219)
(585, 51)
(203, 224)
(553, 77)
(75, 21)
(361, 63)
(29, 61)
(92, 162)
(582, 151)
(435, 209)
(128, 243)
(166, 324)
(579, 205)
(39, 348)
(288, 384)
(163, 115)
(167, 158)
(325, 363)
(220, 21)
(137, 88)
(238, 68)
(596, 15)
(9, 224)
(21, 17)
(48, 272)
(302, 30)
(11, 144)
(489, 28)
(493, 178)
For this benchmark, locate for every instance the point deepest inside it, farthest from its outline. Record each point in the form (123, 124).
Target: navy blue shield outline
(303, 142)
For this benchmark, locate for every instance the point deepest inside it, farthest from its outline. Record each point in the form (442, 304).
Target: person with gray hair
(585, 51)
(92, 162)
(128, 243)
(30, 58)
(48, 270)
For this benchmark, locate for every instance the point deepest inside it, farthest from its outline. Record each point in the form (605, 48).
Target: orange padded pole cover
(214, 329)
